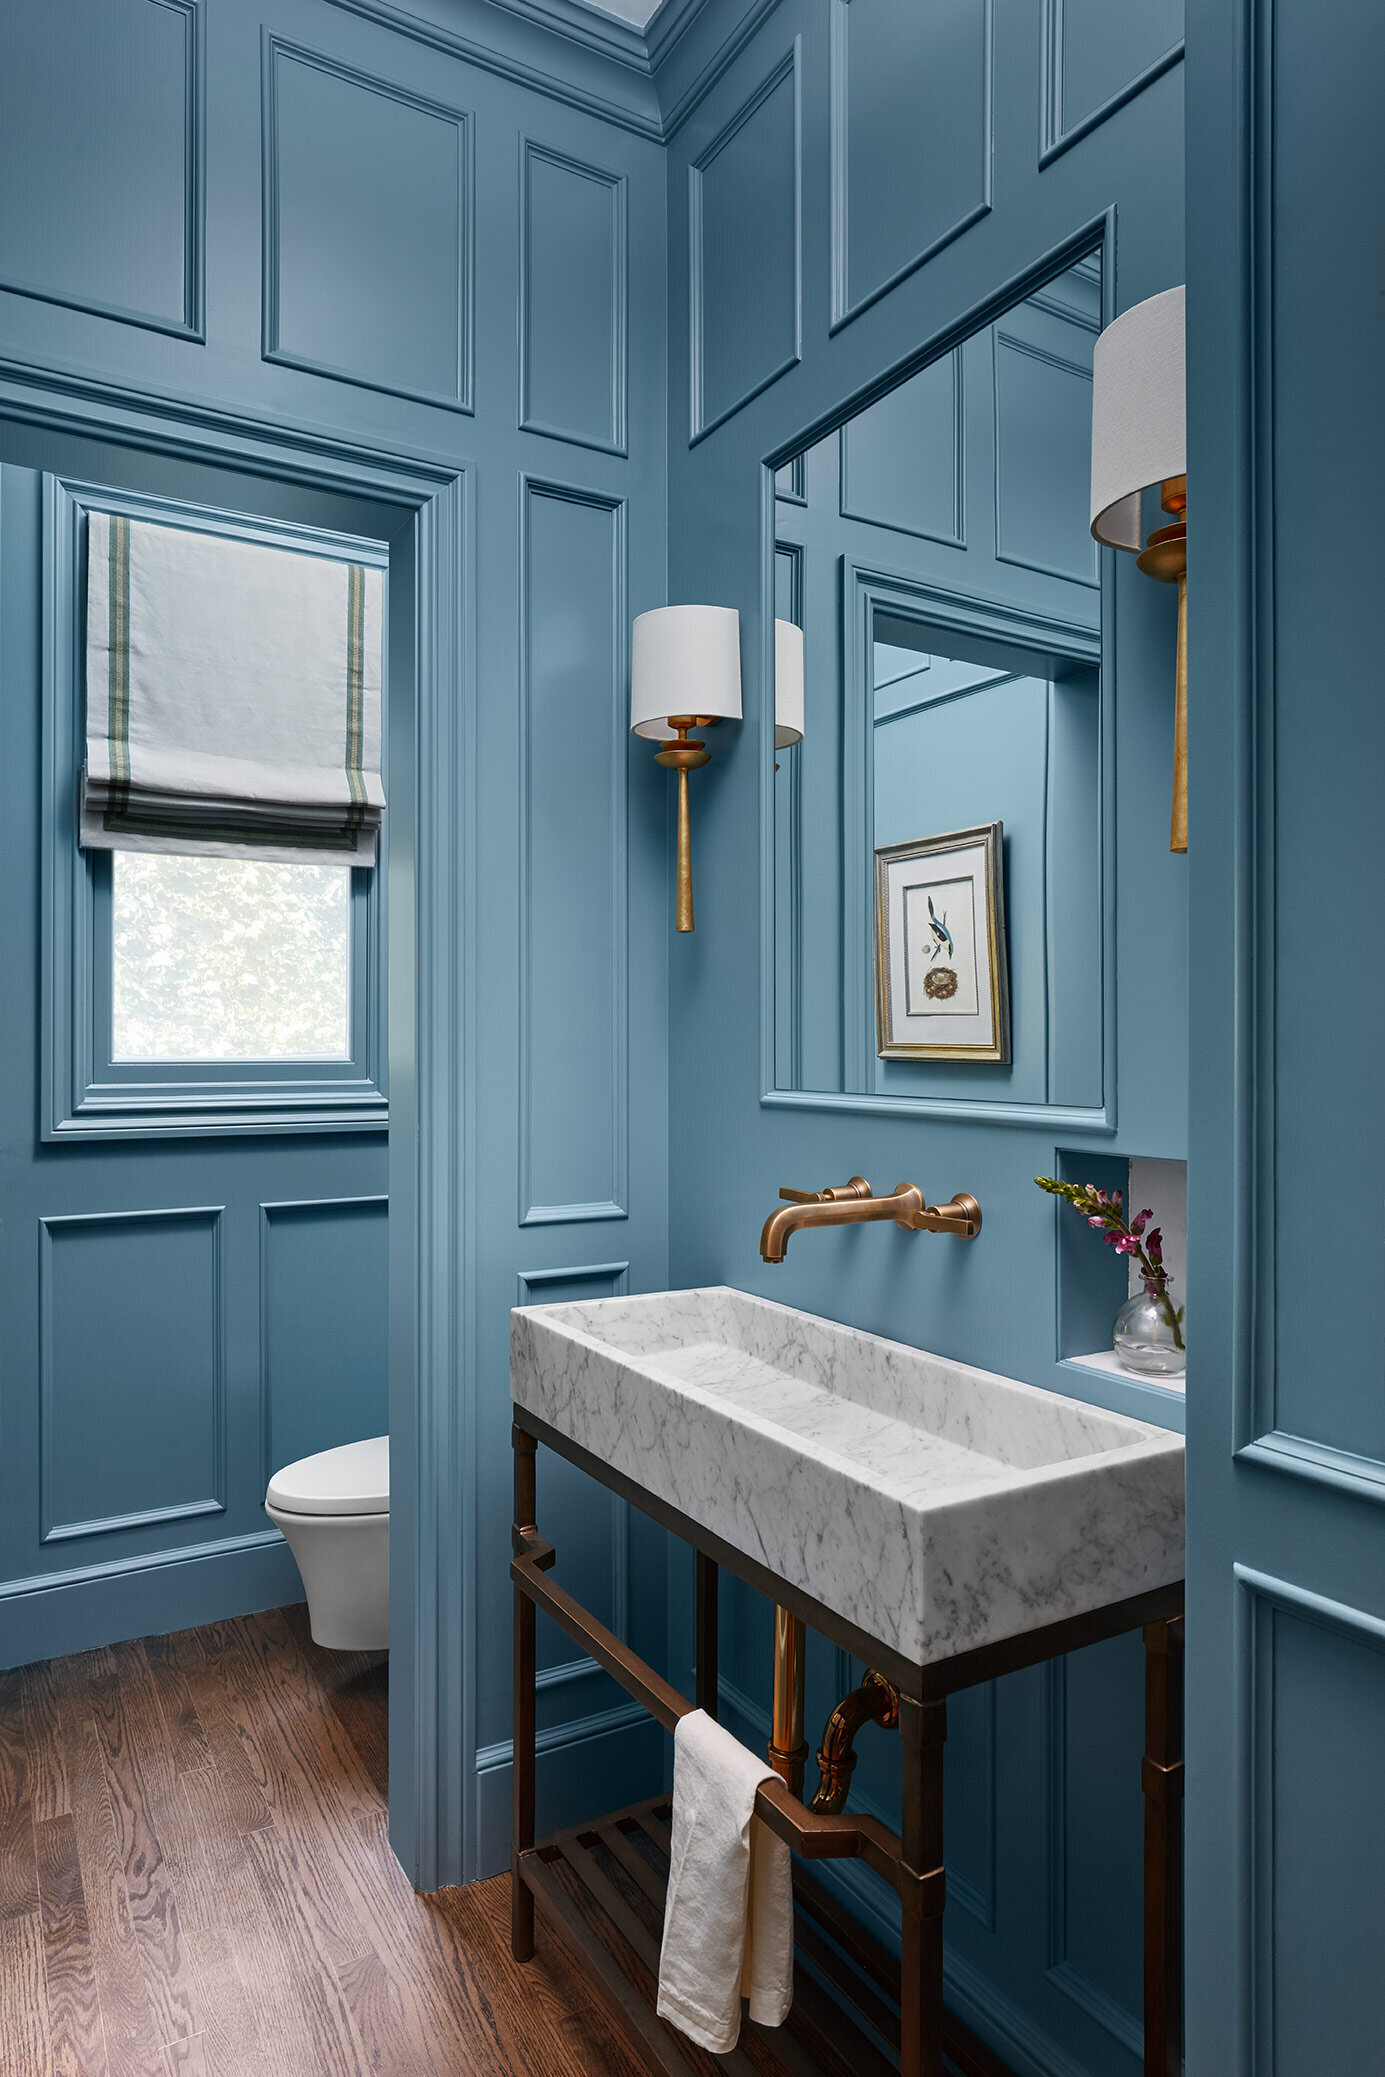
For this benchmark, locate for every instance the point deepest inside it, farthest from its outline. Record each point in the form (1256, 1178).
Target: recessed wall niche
(1093, 1281)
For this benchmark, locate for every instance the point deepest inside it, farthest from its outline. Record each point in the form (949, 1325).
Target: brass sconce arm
(853, 1204)
(684, 755)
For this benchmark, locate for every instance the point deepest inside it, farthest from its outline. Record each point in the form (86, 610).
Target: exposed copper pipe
(876, 1701)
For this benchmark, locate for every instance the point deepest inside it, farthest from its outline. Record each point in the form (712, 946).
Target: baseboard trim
(586, 1765)
(147, 1594)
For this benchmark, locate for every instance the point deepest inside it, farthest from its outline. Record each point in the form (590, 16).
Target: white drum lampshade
(1139, 438)
(685, 672)
(788, 684)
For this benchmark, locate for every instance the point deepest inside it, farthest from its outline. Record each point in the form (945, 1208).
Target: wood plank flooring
(195, 1881)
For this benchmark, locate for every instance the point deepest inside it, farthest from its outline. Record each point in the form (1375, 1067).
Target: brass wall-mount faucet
(853, 1204)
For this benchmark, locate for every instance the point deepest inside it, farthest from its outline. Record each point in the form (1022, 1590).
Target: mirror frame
(975, 615)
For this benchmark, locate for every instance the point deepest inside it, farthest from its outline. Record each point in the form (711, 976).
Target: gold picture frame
(942, 987)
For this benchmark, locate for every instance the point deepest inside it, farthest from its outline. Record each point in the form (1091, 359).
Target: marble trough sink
(936, 1506)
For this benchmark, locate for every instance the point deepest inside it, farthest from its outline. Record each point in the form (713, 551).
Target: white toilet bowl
(333, 1511)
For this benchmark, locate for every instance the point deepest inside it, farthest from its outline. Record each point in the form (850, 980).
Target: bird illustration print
(940, 981)
(942, 936)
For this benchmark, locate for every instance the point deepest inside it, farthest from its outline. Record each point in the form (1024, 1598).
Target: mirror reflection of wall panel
(788, 825)
(936, 551)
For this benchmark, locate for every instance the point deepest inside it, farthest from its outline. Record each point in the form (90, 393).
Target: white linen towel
(728, 1923)
(233, 697)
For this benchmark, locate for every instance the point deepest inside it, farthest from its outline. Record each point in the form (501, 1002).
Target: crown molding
(629, 95)
(623, 95)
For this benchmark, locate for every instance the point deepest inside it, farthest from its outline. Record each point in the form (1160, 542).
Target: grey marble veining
(936, 1506)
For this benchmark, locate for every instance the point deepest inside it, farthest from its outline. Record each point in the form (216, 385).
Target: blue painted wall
(1285, 1825)
(270, 260)
(927, 170)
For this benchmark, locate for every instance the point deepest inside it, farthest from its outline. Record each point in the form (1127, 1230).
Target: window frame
(86, 1093)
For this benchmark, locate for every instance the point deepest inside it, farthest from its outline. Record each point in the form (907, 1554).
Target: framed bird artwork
(941, 976)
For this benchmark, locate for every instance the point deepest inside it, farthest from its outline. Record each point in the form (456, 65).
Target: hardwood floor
(195, 1882)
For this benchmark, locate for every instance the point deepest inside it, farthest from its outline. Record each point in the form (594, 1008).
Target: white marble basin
(935, 1506)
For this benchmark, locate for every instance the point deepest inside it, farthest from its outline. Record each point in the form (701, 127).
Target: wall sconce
(788, 685)
(685, 672)
(1139, 437)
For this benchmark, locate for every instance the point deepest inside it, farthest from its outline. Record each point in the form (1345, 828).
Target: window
(229, 959)
(196, 994)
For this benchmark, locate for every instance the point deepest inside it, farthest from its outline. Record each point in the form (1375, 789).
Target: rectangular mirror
(939, 865)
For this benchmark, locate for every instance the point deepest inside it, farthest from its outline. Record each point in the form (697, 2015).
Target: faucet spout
(855, 1205)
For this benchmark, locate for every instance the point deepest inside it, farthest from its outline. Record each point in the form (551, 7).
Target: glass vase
(1143, 1336)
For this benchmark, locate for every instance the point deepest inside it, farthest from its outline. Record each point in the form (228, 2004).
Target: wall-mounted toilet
(333, 1511)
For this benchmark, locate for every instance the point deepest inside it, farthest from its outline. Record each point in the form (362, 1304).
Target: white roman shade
(233, 697)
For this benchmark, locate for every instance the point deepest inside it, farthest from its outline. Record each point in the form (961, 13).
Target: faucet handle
(839, 1193)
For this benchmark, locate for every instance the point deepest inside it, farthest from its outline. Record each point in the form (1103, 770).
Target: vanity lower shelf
(600, 1888)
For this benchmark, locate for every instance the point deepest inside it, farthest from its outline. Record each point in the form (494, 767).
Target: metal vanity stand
(600, 1886)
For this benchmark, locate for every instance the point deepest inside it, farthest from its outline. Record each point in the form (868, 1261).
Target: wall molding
(578, 1730)
(559, 17)
(789, 67)
(1054, 138)
(269, 1211)
(1013, 344)
(49, 1614)
(662, 46)
(192, 324)
(843, 308)
(50, 1529)
(531, 1212)
(1261, 1595)
(1127, 2027)
(277, 49)
(958, 536)
(531, 149)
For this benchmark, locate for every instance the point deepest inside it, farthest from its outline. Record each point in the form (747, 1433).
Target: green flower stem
(1083, 1198)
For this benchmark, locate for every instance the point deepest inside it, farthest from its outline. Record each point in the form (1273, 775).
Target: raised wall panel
(902, 458)
(1317, 1816)
(745, 291)
(1095, 1830)
(323, 1325)
(1043, 458)
(1095, 57)
(573, 1095)
(573, 287)
(101, 158)
(368, 197)
(911, 137)
(131, 1367)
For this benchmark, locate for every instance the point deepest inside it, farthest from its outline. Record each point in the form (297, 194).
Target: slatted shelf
(601, 1886)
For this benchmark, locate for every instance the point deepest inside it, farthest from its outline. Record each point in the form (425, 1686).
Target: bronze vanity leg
(521, 1896)
(705, 1691)
(923, 1728)
(1163, 1786)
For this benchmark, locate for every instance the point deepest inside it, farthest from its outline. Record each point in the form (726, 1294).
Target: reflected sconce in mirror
(788, 685)
(1139, 438)
(685, 673)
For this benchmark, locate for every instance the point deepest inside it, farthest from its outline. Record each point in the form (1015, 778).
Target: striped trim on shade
(233, 696)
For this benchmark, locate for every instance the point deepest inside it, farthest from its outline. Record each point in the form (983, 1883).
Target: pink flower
(1154, 1246)
(1098, 1222)
(1139, 1222)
